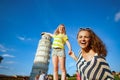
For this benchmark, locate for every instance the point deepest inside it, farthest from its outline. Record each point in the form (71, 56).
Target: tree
(67, 75)
(1, 58)
(74, 75)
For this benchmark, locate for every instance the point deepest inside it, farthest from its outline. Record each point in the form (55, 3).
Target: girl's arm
(70, 51)
(69, 46)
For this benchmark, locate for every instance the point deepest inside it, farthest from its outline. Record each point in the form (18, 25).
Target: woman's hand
(71, 53)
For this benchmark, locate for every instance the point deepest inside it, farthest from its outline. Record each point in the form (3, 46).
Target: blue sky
(22, 21)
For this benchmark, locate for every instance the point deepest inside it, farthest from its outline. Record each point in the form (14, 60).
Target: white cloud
(29, 39)
(2, 48)
(3, 67)
(9, 62)
(117, 17)
(7, 55)
(23, 38)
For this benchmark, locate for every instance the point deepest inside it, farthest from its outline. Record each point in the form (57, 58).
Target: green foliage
(116, 77)
(74, 75)
(72, 78)
(67, 75)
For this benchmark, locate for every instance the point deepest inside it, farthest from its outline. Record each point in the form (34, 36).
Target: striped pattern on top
(59, 41)
(96, 69)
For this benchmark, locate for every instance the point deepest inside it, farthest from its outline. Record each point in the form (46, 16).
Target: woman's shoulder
(100, 57)
(101, 60)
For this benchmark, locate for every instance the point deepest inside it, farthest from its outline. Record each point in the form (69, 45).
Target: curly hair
(96, 44)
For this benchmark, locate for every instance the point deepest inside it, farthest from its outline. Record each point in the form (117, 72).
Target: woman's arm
(70, 51)
(73, 56)
(69, 46)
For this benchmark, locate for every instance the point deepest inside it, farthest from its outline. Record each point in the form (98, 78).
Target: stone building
(42, 57)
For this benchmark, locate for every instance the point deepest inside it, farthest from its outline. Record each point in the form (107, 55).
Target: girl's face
(83, 39)
(61, 28)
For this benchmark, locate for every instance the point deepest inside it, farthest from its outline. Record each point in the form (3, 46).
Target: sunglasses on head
(84, 28)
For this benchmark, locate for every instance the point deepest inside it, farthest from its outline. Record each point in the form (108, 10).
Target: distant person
(37, 77)
(42, 76)
(116, 76)
(47, 77)
(50, 77)
(113, 73)
(91, 63)
(58, 51)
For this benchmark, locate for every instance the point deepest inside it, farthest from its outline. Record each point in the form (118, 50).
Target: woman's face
(83, 39)
(61, 28)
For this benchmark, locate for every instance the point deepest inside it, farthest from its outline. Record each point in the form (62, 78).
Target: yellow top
(59, 41)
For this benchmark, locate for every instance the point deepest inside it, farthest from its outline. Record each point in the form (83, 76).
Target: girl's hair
(57, 30)
(96, 44)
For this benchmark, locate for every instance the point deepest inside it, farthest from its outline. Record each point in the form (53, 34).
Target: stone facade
(42, 57)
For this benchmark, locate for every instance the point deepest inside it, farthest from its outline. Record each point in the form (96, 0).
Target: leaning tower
(41, 60)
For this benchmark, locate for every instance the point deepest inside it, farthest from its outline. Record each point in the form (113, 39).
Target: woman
(91, 63)
(37, 77)
(58, 51)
